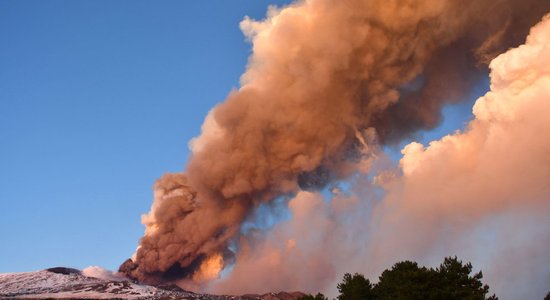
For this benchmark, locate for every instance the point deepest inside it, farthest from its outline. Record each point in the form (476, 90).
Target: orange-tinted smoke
(327, 80)
(482, 194)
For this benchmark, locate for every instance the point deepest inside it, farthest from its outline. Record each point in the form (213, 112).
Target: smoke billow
(328, 82)
(482, 194)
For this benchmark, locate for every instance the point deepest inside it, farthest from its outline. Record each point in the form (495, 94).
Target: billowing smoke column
(327, 82)
(482, 194)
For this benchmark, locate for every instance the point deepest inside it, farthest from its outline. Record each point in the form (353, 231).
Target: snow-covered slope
(70, 283)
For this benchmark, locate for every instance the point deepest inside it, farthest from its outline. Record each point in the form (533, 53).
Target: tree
(355, 287)
(453, 281)
(405, 281)
(319, 296)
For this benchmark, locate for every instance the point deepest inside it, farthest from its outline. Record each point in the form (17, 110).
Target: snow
(46, 284)
(64, 283)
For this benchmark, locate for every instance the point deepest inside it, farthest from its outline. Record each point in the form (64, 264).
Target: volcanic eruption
(327, 84)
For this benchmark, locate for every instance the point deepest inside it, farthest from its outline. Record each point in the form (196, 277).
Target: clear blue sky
(97, 100)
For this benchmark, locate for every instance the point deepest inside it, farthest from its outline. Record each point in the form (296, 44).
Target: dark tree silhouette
(355, 287)
(319, 296)
(452, 280)
(405, 281)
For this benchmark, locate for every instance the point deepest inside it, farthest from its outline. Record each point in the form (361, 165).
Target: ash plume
(481, 194)
(327, 82)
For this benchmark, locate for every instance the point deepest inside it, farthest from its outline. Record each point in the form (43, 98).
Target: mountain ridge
(69, 283)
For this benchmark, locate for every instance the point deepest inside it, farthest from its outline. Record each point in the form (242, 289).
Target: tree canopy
(355, 287)
(452, 280)
(319, 296)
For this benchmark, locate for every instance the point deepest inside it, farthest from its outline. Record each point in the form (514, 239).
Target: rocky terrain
(67, 283)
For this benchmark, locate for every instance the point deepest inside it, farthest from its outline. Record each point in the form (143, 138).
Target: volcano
(69, 283)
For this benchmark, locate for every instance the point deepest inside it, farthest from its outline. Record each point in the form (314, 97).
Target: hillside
(67, 283)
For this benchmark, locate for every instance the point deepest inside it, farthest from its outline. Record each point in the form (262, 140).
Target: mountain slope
(66, 283)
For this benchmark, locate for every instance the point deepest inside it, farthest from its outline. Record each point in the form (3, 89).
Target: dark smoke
(327, 81)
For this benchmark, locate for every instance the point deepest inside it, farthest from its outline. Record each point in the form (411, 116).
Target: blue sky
(97, 100)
